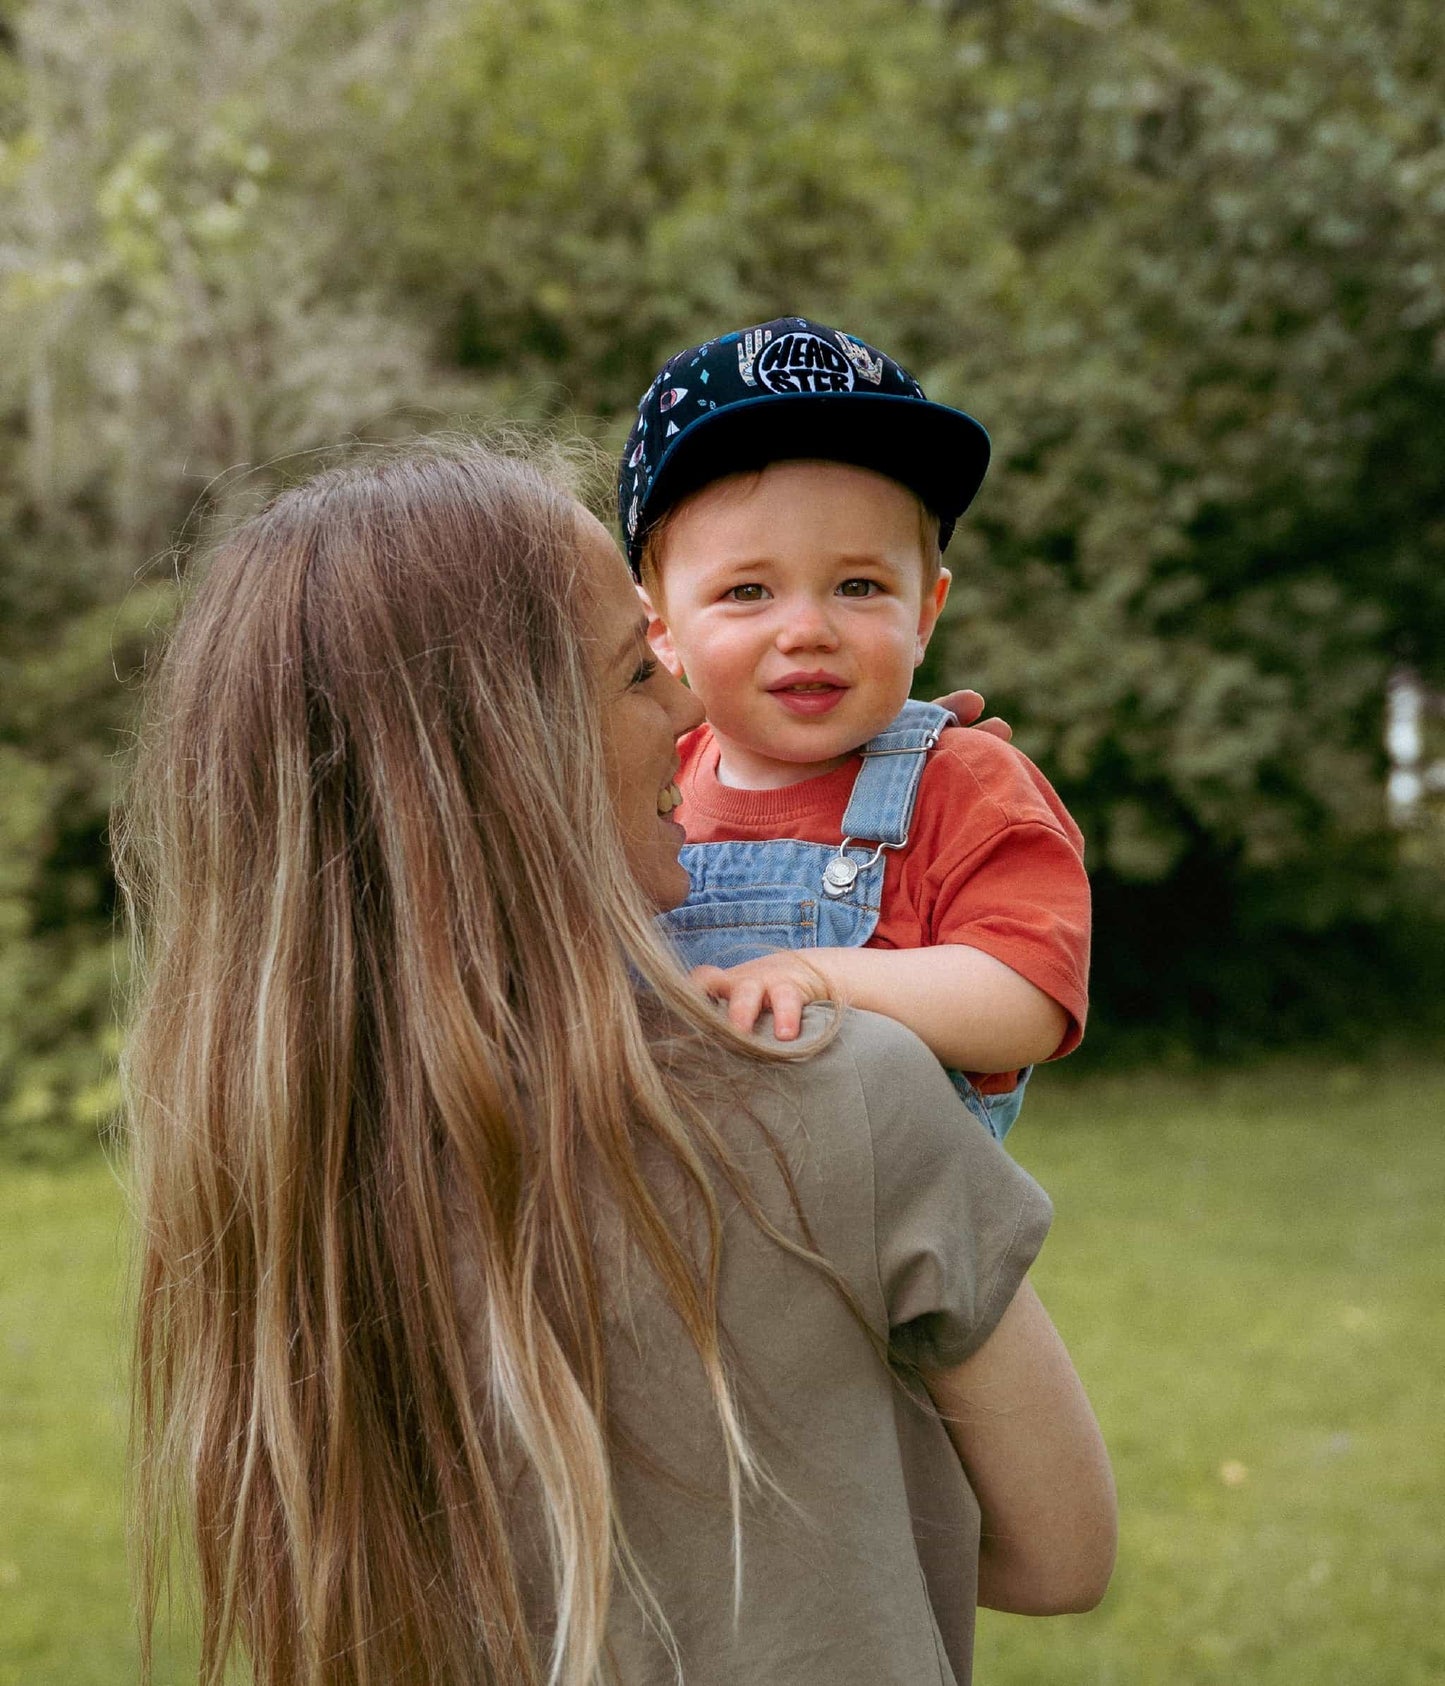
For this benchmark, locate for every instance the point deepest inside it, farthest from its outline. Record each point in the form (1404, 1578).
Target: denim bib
(750, 899)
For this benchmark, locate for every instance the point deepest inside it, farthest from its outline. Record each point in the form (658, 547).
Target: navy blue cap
(788, 389)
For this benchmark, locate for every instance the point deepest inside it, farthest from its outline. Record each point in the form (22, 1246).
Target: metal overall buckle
(841, 874)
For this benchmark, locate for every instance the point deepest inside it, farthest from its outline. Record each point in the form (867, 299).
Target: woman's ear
(932, 607)
(660, 638)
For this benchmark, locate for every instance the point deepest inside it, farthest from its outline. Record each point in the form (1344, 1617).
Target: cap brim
(939, 453)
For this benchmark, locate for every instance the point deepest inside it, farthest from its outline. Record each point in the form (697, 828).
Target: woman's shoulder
(872, 1037)
(936, 1222)
(871, 1088)
(854, 1079)
(850, 1042)
(892, 1065)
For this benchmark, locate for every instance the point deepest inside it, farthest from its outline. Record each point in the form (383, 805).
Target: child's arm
(975, 1013)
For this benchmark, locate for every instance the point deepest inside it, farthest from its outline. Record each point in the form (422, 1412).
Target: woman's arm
(1023, 1427)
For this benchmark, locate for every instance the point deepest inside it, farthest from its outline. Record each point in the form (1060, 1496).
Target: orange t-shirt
(992, 860)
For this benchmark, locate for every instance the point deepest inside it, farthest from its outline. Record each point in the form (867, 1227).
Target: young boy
(785, 497)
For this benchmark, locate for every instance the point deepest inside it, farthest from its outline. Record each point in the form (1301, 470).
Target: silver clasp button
(841, 874)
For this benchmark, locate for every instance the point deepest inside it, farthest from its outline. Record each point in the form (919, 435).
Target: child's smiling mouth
(809, 693)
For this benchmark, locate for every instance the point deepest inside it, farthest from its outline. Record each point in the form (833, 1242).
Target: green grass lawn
(1249, 1272)
(64, 1600)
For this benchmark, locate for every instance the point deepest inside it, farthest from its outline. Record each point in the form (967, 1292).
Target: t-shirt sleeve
(1012, 882)
(956, 1222)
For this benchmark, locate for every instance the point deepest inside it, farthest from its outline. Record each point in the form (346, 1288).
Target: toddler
(785, 495)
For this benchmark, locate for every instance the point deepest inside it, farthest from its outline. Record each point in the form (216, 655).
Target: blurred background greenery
(1246, 1268)
(1187, 263)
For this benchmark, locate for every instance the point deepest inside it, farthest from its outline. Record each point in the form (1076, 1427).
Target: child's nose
(807, 626)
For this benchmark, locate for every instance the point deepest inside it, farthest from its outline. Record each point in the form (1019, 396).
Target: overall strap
(880, 809)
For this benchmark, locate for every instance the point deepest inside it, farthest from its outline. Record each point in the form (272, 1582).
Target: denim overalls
(749, 899)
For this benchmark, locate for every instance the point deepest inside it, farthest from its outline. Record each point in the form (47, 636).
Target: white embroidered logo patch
(804, 363)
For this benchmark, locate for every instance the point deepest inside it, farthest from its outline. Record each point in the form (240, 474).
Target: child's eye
(645, 670)
(859, 588)
(751, 593)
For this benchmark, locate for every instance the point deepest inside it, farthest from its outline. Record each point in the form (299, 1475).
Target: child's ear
(660, 638)
(933, 600)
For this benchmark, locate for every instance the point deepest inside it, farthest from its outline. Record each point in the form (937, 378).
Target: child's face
(795, 602)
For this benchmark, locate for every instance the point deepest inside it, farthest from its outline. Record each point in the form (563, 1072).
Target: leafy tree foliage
(164, 324)
(1186, 263)
(1218, 522)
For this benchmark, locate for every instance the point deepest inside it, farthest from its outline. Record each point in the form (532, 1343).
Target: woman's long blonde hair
(391, 956)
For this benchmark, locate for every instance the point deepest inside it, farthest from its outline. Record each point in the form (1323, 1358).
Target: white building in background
(1416, 777)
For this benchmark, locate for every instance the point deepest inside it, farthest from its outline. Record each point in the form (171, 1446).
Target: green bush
(1186, 263)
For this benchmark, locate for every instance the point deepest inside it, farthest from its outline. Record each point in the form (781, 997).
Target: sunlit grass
(64, 1589)
(1249, 1272)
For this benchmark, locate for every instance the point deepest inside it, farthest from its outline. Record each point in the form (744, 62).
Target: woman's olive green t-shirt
(859, 1562)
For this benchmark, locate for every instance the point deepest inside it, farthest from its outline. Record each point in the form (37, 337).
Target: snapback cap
(787, 389)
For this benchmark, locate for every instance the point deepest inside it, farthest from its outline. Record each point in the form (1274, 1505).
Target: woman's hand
(784, 983)
(966, 706)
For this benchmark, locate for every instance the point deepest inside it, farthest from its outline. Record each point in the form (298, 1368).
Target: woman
(504, 1315)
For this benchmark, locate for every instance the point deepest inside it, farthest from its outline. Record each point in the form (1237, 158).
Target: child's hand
(784, 982)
